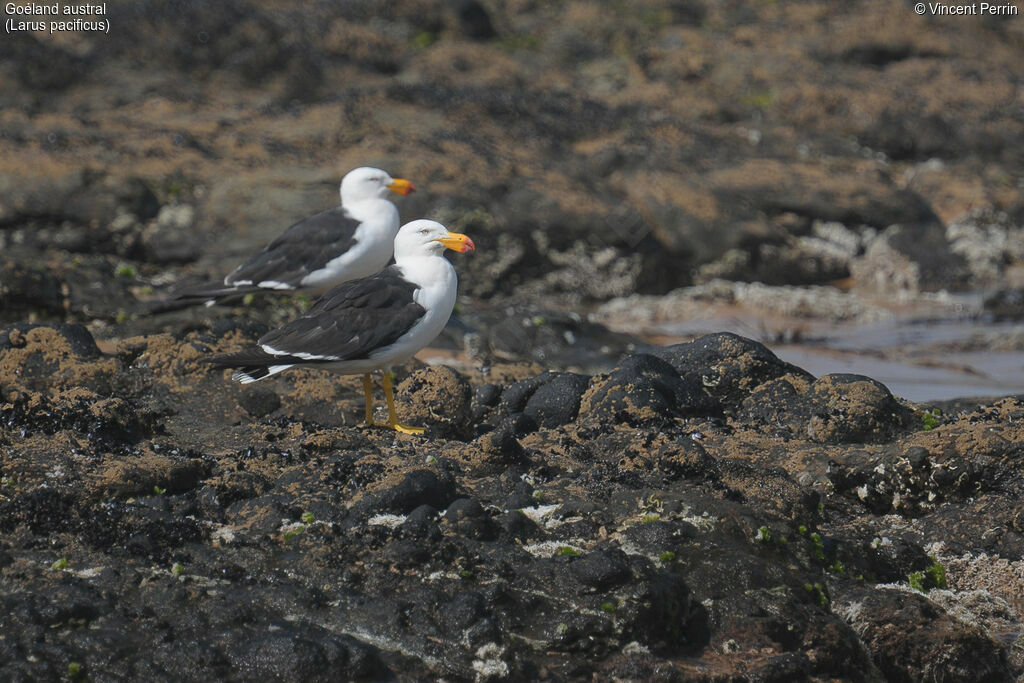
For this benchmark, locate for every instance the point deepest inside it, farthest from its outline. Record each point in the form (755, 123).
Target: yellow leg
(389, 394)
(368, 394)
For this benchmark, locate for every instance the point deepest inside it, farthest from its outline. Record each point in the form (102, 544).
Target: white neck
(354, 196)
(369, 208)
(425, 269)
(437, 283)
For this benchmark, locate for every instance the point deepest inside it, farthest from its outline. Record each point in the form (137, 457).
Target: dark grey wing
(303, 248)
(350, 321)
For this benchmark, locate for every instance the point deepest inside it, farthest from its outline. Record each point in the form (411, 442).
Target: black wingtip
(253, 373)
(203, 295)
(249, 366)
(241, 359)
(176, 304)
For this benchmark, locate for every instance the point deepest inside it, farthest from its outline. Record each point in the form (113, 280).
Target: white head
(371, 183)
(427, 238)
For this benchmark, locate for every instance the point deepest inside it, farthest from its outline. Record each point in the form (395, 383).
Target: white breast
(375, 240)
(438, 289)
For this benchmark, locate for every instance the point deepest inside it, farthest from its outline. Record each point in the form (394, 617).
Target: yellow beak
(401, 186)
(457, 242)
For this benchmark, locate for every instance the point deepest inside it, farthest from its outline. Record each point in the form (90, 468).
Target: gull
(372, 323)
(345, 243)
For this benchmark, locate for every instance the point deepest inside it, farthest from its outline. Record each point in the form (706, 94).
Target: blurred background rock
(595, 151)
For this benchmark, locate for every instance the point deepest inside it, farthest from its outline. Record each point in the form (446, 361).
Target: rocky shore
(704, 511)
(592, 153)
(603, 492)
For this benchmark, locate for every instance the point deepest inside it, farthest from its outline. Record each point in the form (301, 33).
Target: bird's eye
(424, 231)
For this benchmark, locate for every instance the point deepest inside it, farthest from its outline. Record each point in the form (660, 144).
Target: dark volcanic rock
(223, 42)
(259, 401)
(78, 338)
(300, 651)
(470, 519)
(641, 521)
(548, 337)
(643, 388)
(514, 397)
(832, 409)
(76, 211)
(909, 636)
(421, 523)
(545, 401)
(601, 570)
(518, 527)
(99, 420)
(27, 288)
(438, 398)
(464, 508)
(500, 448)
(42, 65)
(672, 622)
(557, 400)
(43, 510)
(703, 512)
(728, 367)
(484, 398)
(419, 487)
(474, 21)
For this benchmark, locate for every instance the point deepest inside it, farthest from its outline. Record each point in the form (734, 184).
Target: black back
(303, 248)
(351, 320)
